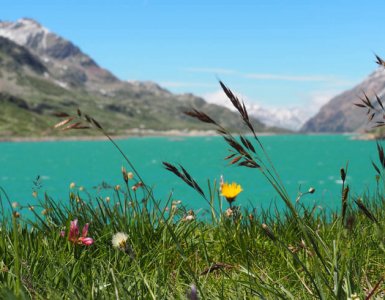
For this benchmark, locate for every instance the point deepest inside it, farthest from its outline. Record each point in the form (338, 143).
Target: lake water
(303, 161)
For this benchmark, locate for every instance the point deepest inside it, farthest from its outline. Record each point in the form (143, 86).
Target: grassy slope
(24, 76)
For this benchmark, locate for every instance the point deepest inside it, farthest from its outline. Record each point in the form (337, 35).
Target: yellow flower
(231, 191)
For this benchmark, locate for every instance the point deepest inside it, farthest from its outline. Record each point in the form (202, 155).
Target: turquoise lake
(303, 161)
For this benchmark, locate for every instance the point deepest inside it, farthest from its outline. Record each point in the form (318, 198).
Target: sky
(273, 53)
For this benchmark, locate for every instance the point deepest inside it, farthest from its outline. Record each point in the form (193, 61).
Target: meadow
(132, 246)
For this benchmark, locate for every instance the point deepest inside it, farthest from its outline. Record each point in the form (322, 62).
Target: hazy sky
(276, 53)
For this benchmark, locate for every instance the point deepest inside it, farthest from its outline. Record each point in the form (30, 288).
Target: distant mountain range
(42, 73)
(340, 114)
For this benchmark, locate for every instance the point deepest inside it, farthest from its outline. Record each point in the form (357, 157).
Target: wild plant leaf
(62, 123)
(61, 114)
(247, 144)
(88, 118)
(381, 156)
(200, 116)
(96, 123)
(230, 156)
(221, 131)
(72, 126)
(380, 61)
(379, 102)
(376, 168)
(365, 210)
(216, 266)
(360, 105)
(82, 127)
(235, 160)
(374, 289)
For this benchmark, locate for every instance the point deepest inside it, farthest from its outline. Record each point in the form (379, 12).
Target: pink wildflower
(74, 234)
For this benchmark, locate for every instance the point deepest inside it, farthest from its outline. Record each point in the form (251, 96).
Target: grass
(229, 257)
(167, 251)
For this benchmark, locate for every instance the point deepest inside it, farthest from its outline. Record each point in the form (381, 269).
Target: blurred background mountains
(42, 73)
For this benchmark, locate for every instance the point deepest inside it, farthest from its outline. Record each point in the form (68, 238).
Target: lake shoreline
(131, 134)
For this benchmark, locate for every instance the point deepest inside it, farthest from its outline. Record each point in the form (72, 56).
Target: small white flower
(354, 297)
(15, 204)
(189, 218)
(119, 240)
(229, 212)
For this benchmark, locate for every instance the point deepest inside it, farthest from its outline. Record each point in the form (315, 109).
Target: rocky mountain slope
(41, 72)
(340, 114)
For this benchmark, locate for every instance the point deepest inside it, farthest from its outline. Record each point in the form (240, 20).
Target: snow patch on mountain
(289, 118)
(23, 31)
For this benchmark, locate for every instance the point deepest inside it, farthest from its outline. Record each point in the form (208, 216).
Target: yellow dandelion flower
(230, 191)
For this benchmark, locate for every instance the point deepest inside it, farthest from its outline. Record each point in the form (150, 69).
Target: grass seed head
(125, 175)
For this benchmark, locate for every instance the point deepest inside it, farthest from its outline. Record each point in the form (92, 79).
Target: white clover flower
(119, 240)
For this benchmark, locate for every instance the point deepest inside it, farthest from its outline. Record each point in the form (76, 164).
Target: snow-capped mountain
(287, 118)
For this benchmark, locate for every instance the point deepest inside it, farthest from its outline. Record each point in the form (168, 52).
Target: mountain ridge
(340, 114)
(68, 79)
